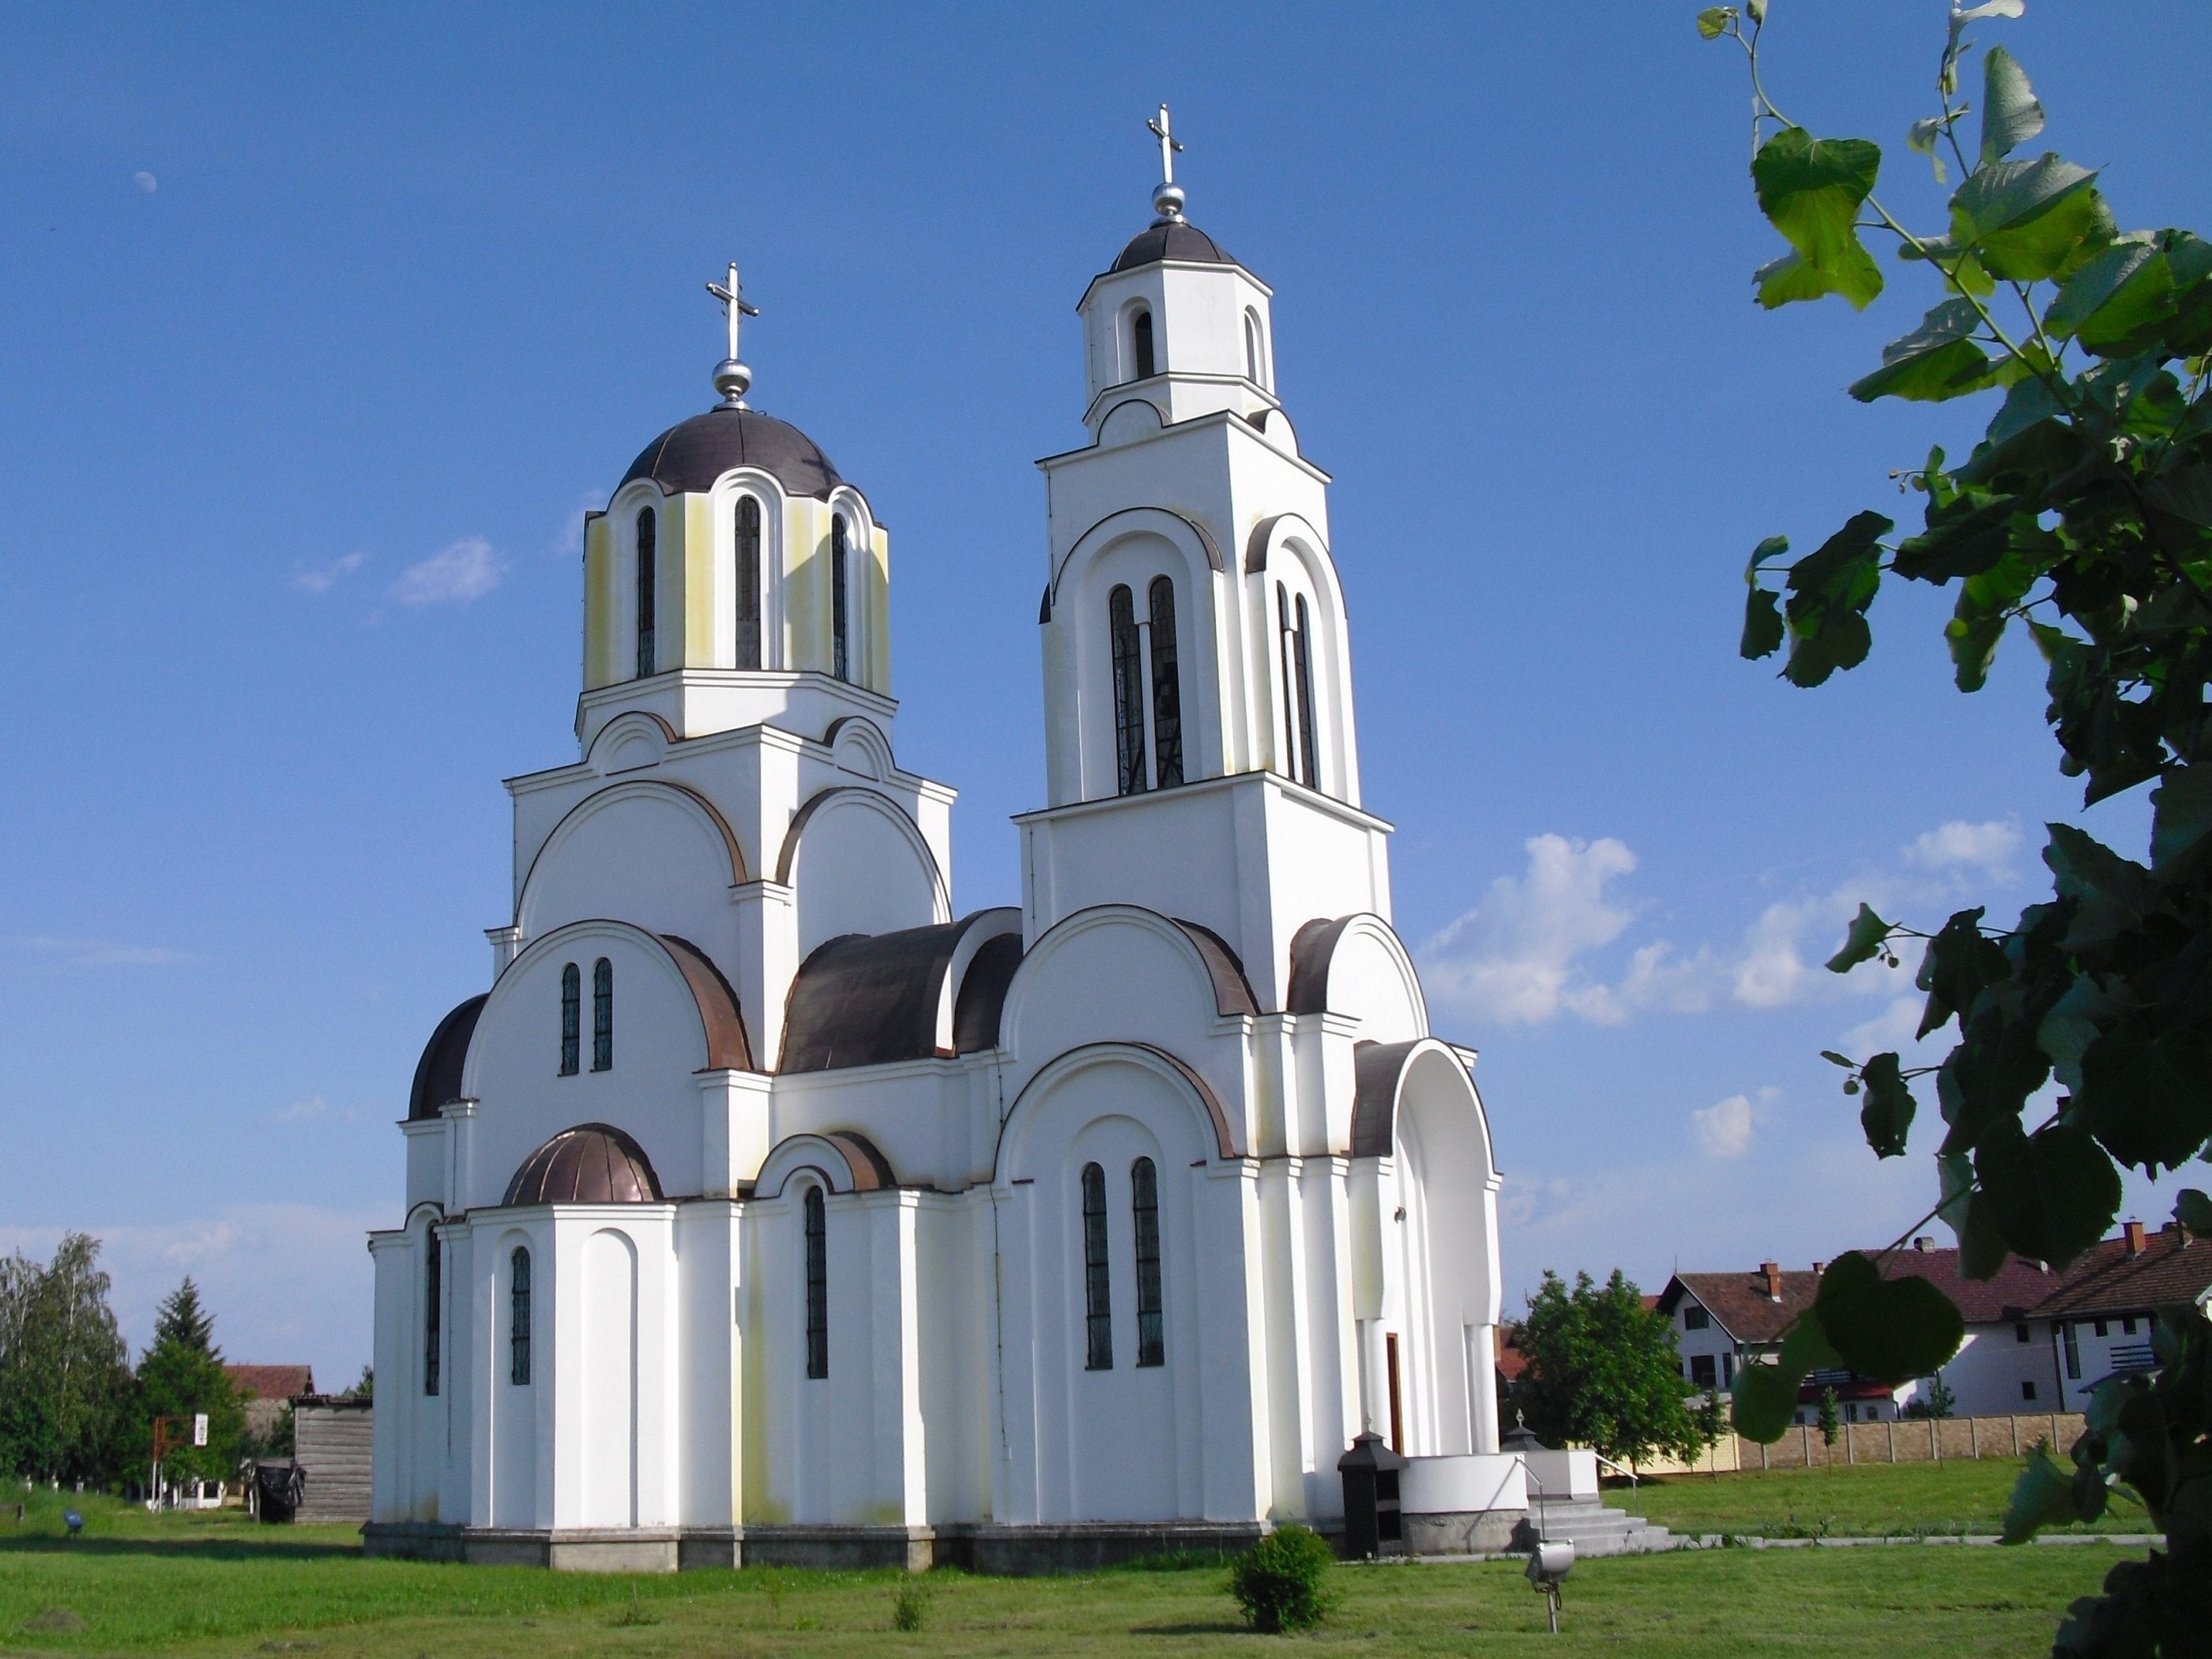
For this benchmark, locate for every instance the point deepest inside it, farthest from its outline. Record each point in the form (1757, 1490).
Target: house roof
(1512, 1363)
(2019, 1287)
(271, 1382)
(1739, 1303)
(2171, 1268)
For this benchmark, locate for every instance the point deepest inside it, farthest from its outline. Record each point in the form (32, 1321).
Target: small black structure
(1372, 1525)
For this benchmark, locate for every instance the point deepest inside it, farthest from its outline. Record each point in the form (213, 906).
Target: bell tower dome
(1198, 680)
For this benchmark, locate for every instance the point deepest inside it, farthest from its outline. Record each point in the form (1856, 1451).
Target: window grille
(433, 1295)
(1145, 1202)
(649, 569)
(1128, 693)
(817, 1283)
(840, 622)
(518, 1319)
(747, 578)
(1290, 682)
(1167, 687)
(571, 1019)
(1097, 1301)
(1302, 652)
(1141, 337)
(603, 1015)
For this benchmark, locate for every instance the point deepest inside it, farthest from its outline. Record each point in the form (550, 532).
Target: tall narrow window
(1252, 366)
(433, 1298)
(1167, 689)
(817, 1283)
(648, 570)
(1290, 682)
(1098, 1300)
(747, 578)
(603, 1015)
(572, 1032)
(1301, 653)
(1141, 340)
(518, 1319)
(1128, 692)
(1144, 1203)
(841, 663)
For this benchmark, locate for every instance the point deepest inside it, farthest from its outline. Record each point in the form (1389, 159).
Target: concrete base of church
(1005, 1550)
(1471, 1532)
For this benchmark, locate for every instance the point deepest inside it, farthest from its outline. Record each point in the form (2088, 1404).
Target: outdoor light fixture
(1547, 1564)
(73, 1521)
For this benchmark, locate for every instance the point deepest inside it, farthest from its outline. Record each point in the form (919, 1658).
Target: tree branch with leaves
(2081, 518)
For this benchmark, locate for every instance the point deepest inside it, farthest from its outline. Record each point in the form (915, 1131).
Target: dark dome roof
(691, 454)
(1175, 240)
(591, 1163)
(438, 1073)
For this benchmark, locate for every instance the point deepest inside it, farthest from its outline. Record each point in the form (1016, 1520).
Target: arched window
(603, 1015)
(518, 1319)
(1128, 692)
(1301, 654)
(817, 1283)
(1167, 689)
(841, 662)
(1254, 364)
(1144, 1203)
(1141, 342)
(1290, 682)
(649, 569)
(748, 579)
(571, 1019)
(433, 1298)
(1097, 1301)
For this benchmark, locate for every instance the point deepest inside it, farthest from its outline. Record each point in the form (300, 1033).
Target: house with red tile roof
(267, 1389)
(2036, 1339)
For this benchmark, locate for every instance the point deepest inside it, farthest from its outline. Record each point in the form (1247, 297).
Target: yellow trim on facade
(599, 601)
(697, 596)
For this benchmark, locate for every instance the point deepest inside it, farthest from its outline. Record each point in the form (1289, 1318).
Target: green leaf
(1830, 589)
(2181, 816)
(2146, 1093)
(2131, 279)
(1713, 21)
(2193, 1210)
(2025, 219)
(1984, 610)
(1763, 1401)
(1937, 360)
(2044, 1494)
(1763, 631)
(2030, 401)
(2053, 1193)
(1887, 1114)
(1981, 1251)
(2077, 1019)
(2011, 112)
(1810, 189)
(1886, 1330)
(1862, 943)
(1959, 965)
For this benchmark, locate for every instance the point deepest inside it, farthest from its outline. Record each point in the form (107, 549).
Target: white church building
(767, 1208)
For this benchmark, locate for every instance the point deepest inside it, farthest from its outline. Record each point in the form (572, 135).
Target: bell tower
(1201, 751)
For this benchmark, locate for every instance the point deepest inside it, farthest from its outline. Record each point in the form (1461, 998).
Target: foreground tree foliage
(2084, 516)
(181, 1375)
(65, 1384)
(1603, 1372)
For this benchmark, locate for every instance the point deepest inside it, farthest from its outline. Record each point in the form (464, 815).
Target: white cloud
(146, 181)
(467, 570)
(314, 1109)
(569, 544)
(1986, 849)
(103, 953)
(321, 577)
(1513, 955)
(1724, 1127)
(1523, 955)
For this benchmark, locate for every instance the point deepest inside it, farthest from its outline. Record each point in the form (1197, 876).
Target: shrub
(910, 1606)
(1279, 1581)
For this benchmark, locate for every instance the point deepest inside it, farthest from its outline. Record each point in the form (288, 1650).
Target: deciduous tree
(1603, 1372)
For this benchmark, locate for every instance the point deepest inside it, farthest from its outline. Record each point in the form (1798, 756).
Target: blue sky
(323, 327)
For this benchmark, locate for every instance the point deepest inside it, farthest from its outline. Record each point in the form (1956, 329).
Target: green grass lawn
(1860, 1500)
(214, 1584)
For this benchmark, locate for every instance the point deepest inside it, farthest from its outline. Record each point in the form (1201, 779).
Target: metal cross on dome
(1169, 144)
(733, 305)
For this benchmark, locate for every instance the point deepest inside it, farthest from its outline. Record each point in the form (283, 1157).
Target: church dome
(1173, 239)
(591, 1163)
(691, 454)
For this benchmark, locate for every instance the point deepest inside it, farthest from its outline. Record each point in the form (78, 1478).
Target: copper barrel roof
(691, 454)
(591, 1163)
(872, 999)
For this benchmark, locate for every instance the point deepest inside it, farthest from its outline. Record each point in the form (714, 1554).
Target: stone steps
(1593, 1529)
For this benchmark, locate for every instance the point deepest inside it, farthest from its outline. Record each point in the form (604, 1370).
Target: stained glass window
(841, 662)
(817, 1283)
(1128, 692)
(1167, 688)
(1097, 1302)
(1145, 1202)
(747, 578)
(434, 1296)
(603, 1015)
(571, 1019)
(648, 567)
(518, 1319)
